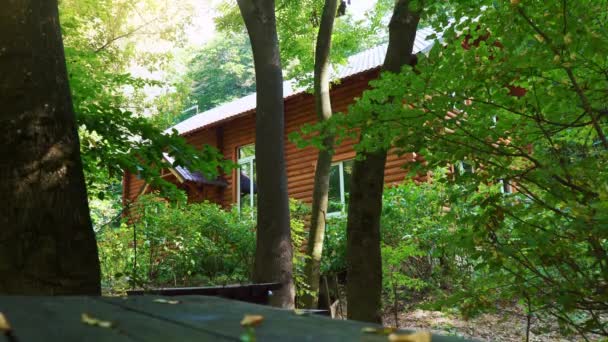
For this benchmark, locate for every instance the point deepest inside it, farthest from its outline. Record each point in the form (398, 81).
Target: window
(463, 168)
(246, 178)
(505, 187)
(339, 186)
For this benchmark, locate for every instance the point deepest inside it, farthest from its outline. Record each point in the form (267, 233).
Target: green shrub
(187, 245)
(300, 217)
(333, 260)
(178, 246)
(418, 249)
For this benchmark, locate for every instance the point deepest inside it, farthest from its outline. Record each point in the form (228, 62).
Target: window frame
(505, 187)
(342, 212)
(249, 161)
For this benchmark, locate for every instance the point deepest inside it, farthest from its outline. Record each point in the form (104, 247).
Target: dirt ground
(503, 327)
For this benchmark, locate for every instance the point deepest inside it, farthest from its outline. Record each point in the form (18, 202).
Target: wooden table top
(154, 318)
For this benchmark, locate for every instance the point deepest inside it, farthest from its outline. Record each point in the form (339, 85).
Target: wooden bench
(180, 318)
(251, 293)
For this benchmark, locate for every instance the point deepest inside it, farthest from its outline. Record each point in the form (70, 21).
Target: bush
(418, 250)
(178, 246)
(189, 245)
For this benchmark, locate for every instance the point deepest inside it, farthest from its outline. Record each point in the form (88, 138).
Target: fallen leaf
(422, 336)
(4, 326)
(252, 320)
(90, 320)
(166, 301)
(378, 331)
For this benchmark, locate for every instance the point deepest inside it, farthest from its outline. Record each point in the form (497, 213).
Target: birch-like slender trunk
(321, 185)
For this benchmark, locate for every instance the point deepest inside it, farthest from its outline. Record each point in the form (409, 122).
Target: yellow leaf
(166, 301)
(422, 336)
(90, 320)
(252, 320)
(4, 326)
(299, 312)
(378, 331)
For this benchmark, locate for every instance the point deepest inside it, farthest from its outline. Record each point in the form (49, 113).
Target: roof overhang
(184, 175)
(358, 64)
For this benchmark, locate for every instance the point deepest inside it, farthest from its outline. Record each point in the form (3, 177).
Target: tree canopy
(515, 92)
(104, 40)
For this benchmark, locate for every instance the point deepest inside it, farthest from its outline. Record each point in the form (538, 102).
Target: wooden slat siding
(204, 137)
(126, 178)
(135, 186)
(212, 194)
(238, 132)
(300, 163)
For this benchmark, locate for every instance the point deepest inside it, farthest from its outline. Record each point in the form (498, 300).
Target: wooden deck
(154, 318)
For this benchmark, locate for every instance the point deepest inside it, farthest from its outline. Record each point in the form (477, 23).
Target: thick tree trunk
(47, 245)
(364, 276)
(273, 257)
(321, 188)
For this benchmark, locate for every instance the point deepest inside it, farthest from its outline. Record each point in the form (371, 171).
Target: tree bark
(273, 257)
(321, 185)
(47, 245)
(363, 256)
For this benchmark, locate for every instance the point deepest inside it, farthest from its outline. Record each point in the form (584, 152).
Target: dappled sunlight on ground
(505, 326)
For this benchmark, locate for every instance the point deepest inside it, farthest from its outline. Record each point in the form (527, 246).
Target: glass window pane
(247, 176)
(348, 172)
(246, 151)
(335, 204)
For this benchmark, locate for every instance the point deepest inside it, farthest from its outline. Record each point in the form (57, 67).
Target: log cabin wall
(300, 163)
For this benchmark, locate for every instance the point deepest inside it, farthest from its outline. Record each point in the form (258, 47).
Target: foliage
(416, 234)
(178, 246)
(299, 215)
(103, 39)
(221, 71)
(517, 90)
(297, 25)
(186, 245)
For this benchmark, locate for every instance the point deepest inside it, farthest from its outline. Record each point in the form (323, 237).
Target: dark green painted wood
(252, 293)
(195, 318)
(224, 316)
(59, 319)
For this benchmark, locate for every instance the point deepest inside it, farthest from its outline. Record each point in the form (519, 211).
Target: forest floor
(507, 324)
(503, 326)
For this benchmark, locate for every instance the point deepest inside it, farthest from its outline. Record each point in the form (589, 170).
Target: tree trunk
(273, 257)
(47, 245)
(321, 185)
(363, 256)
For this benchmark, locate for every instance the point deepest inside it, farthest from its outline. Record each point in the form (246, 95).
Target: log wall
(299, 110)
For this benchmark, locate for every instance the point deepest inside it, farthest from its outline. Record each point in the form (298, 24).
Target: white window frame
(248, 162)
(340, 165)
(461, 169)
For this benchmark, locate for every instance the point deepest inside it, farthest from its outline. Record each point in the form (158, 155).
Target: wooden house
(231, 128)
